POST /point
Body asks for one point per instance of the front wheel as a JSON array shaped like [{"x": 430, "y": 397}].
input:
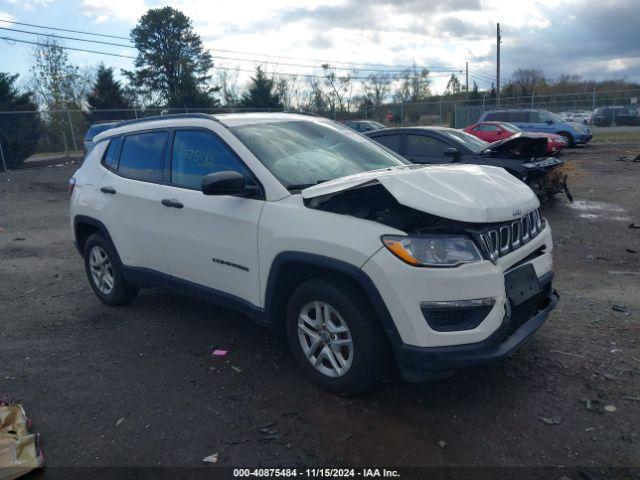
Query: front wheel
[
  {"x": 567, "y": 138},
  {"x": 334, "y": 336}
]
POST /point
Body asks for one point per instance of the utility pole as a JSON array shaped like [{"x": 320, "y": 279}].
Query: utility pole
[
  {"x": 498, "y": 40},
  {"x": 467, "y": 75}
]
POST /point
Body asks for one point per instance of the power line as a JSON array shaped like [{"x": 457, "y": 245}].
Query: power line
[
  {"x": 50, "y": 35},
  {"x": 64, "y": 29},
  {"x": 67, "y": 38},
  {"x": 288, "y": 74},
  {"x": 402, "y": 67},
  {"x": 10, "y": 39}
]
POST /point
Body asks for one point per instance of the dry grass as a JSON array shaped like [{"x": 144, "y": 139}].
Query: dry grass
[{"x": 604, "y": 137}]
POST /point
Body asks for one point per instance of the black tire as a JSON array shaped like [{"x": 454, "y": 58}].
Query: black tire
[
  {"x": 121, "y": 293},
  {"x": 370, "y": 349},
  {"x": 568, "y": 138}
]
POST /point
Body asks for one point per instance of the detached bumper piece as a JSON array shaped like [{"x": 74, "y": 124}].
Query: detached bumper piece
[{"x": 417, "y": 364}]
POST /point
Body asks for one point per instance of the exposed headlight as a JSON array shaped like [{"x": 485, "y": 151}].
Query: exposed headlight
[{"x": 433, "y": 251}]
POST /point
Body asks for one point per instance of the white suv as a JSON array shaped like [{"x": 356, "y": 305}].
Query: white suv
[{"x": 303, "y": 224}]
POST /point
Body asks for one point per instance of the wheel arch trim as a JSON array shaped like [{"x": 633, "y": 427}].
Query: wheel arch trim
[
  {"x": 86, "y": 220},
  {"x": 354, "y": 273}
]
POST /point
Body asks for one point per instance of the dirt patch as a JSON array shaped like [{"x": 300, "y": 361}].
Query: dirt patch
[{"x": 74, "y": 361}]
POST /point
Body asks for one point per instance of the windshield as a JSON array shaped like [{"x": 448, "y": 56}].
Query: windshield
[
  {"x": 302, "y": 153},
  {"x": 510, "y": 127},
  {"x": 470, "y": 141},
  {"x": 546, "y": 115}
]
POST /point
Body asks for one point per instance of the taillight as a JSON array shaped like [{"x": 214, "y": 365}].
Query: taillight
[{"x": 71, "y": 185}]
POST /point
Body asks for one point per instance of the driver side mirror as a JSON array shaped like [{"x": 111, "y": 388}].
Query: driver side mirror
[
  {"x": 451, "y": 152},
  {"x": 226, "y": 183}
]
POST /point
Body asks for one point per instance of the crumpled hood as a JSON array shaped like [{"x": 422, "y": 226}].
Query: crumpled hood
[
  {"x": 520, "y": 145},
  {"x": 467, "y": 193}
]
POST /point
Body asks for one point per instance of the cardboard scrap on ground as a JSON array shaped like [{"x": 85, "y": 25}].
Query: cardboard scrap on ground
[{"x": 19, "y": 451}]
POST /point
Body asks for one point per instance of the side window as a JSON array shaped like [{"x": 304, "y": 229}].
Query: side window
[
  {"x": 142, "y": 156},
  {"x": 519, "y": 117},
  {"x": 196, "y": 154},
  {"x": 488, "y": 127},
  {"x": 110, "y": 159},
  {"x": 496, "y": 116},
  {"x": 425, "y": 146},
  {"x": 392, "y": 142}
]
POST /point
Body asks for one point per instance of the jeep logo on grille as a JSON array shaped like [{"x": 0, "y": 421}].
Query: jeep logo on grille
[{"x": 516, "y": 212}]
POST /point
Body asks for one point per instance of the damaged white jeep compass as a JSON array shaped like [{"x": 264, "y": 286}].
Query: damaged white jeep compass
[{"x": 305, "y": 225}]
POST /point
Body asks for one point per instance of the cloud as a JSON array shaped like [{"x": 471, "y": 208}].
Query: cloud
[
  {"x": 321, "y": 41},
  {"x": 558, "y": 36},
  {"x": 29, "y": 4},
  {"x": 6, "y": 16}
]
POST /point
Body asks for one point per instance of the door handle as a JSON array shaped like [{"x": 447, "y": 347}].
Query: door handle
[
  {"x": 171, "y": 202},
  {"x": 108, "y": 190}
]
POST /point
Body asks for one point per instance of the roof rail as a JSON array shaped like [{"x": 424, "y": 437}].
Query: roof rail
[
  {"x": 309, "y": 114},
  {"x": 169, "y": 116}
]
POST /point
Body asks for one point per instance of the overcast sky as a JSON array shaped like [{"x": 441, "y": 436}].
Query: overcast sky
[{"x": 595, "y": 39}]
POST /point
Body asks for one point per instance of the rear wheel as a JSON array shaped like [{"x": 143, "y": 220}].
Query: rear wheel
[
  {"x": 104, "y": 270},
  {"x": 334, "y": 336}
]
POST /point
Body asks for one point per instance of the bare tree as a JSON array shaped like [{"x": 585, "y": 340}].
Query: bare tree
[
  {"x": 229, "y": 88},
  {"x": 376, "y": 88},
  {"x": 526, "y": 80},
  {"x": 315, "y": 99},
  {"x": 60, "y": 89},
  {"x": 57, "y": 84},
  {"x": 289, "y": 90},
  {"x": 414, "y": 85},
  {"x": 453, "y": 85},
  {"x": 340, "y": 88}
]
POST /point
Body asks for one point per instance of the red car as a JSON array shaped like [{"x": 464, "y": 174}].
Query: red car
[{"x": 494, "y": 131}]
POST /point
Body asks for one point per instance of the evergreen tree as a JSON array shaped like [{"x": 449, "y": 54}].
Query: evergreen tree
[
  {"x": 20, "y": 132},
  {"x": 172, "y": 65},
  {"x": 107, "y": 94},
  {"x": 261, "y": 92}
]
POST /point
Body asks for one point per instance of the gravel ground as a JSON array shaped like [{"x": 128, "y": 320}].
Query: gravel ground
[{"x": 136, "y": 385}]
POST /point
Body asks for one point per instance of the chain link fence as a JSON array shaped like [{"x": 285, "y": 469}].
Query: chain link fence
[
  {"x": 34, "y": 139},
  {"x": 621, "y": 108},
  {"x": 31, "y": 139}
]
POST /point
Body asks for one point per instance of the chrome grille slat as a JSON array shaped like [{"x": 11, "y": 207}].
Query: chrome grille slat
[{"x": 505, "y": 238}]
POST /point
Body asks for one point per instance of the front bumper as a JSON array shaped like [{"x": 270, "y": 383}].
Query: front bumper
[
  {"x": 421, "y": 363},
  {"x": 583, "y": 138}
]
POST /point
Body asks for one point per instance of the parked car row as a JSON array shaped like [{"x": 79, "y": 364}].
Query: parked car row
[
  {"x": 577, "y": 116},
  {"x": 360, "y": 256},
  {"x": 494, "y": 131},
  {"x": 607, "y": 116},
  {"x": 522, "y": 155},
  {"x": 533, "y": 120}
]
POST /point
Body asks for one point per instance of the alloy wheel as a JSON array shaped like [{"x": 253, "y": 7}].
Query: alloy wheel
[
  {"x": 101, "y": 270},
  {"x": 325, "y": 339}
]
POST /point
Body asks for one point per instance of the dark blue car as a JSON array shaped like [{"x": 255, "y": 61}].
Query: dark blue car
[{"x": 537, "y": 120}]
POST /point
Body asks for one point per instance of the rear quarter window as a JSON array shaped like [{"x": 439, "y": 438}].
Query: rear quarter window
[
  {"x": 142, "y": 156},
  {"x": 110, "y": 159}
]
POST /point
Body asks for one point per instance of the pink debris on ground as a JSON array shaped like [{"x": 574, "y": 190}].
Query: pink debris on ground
[{"x": 219, "y": 353}]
